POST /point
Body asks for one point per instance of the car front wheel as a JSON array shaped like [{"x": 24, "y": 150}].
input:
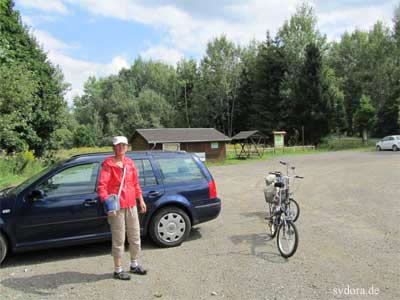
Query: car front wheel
[
  {"x": 378, "y": 148},
  {"x": 3, "y": 247},
  {"x": 169, "y": 227},
  {"x": 395, "y": 148}
]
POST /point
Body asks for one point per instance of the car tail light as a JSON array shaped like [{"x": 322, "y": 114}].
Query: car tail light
[{"x": 212, "y": 189}]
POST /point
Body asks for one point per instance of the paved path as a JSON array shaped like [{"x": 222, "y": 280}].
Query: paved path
[{"x": 349, "y": 243}]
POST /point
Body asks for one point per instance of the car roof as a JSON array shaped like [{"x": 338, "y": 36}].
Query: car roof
[{"x": 100, "y": 156}]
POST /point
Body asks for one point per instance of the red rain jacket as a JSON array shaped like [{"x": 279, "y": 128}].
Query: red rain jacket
[{"x": 110, "y": 180}]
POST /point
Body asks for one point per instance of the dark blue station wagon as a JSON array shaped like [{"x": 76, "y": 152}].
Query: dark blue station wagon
[{"x": 60, "y": 206}]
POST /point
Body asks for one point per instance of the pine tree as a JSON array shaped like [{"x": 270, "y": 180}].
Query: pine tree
[{"x": 311, "y": 110}]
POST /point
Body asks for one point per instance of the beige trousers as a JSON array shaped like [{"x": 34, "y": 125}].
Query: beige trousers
[{"x": 125, "y": 223}]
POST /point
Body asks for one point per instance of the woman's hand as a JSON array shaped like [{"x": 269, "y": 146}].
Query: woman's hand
[
  {"x": 142, "y": 205},
  {"x": 112, "y": 213}
]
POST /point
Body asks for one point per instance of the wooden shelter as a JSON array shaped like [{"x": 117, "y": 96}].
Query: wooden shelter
[
  {"x": 249, "y": 143},
  {"x": 208, "y": 142}
]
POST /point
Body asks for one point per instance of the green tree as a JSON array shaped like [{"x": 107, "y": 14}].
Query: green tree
[
  {"x": 311, "y": 110},
  {"x": 153, "y": 75},
  {"x": 17, "y": 88},
  {"x": 366, "y": 63},
  {"x": 334, "y": 97},
  {"x": 245, "y": 98},
  {"x": 154, "y": 110},
  {"x": 388, "y": 117},
  {"x": 83, "y": 136},
  {"x": 187, "y": 77},
  {"x": 267, "y": 112},
  {"x": 19, "y": 52},
  {"x": 396, "y": 26},
  {"x": 218, "y": 86},
  {"x": 296, "y": 34},
  {"x": 364, "y": 118}
]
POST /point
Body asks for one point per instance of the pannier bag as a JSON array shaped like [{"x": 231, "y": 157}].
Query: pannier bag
[{"x": 269, "y": 190}]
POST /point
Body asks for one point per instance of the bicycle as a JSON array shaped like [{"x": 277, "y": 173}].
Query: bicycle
[
  {"x": 280, "y": 219},
  {"x": 294, "y": 207}
]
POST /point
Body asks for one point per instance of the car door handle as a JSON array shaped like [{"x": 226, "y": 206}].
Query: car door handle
[
  {"x": 153, "y": 194},
  {"x": 90, "y": 202}
]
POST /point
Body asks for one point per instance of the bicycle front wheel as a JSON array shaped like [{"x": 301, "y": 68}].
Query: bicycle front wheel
[
  {"x": 287, "y": 239},
  {"x": 272, "y": 221},
  {"x": 294, "y": 209}
]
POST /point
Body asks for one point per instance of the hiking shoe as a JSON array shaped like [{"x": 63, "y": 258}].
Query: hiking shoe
[
  {"x": 138, "y": 270},
  {"x": 122, "y": 275}
]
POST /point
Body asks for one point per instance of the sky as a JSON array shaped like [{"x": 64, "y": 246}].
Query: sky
[{"x": 100, "y": 37}]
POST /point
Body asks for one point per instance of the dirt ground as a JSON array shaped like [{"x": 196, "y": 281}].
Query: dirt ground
[{"x": 349, "y": 243}]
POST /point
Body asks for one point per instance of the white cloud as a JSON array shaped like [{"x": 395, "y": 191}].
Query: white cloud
[
  {"x": 335, "y": 23},
  {"x": 45, "y": 5},
  {"x": 76, "y": 71},
  {"x": 166, "y": 55},
  {"x": 187, "y": 33},
  {"x": 35, "y": 20},
  {"x": 241, "y": 21},
  {"x": 49, "y": 42}
]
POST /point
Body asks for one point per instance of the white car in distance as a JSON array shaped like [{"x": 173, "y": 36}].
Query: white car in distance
[{"x": 390, "y": 142}]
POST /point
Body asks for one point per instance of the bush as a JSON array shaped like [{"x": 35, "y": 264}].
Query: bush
[
  {"x": 22, "y": 160},
  {"x": 84, "y": 137}
]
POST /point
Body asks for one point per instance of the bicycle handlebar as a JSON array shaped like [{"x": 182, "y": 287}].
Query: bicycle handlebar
[{"x": 277, "y": 173}]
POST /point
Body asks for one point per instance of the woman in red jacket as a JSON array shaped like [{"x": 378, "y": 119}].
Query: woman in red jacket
[{"x": 126, "y": 220}]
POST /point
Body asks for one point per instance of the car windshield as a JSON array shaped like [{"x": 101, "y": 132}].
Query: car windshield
[{"x": 29, "y": 181}]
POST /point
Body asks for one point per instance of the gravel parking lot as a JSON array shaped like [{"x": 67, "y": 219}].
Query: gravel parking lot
[{"x": 349, "y": 243}]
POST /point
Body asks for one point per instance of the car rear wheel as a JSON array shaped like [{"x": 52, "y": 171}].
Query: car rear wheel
[
  {"x": 169, "y": 227},
  {"x": 395, "y": 148},
  {"x": 3, "y": 247},
  {"x": 378, "y": 148}
]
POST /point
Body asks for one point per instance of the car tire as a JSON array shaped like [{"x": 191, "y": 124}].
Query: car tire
[
  {"x": 3, "y": 247},
  {"x": 378, "y": 148},
  {"x": 395, "y": 148},
  {"x": 169, "y": 227}
]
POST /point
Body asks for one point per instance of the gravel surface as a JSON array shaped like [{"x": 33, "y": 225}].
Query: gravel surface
[{"x": 349, "y": 243}]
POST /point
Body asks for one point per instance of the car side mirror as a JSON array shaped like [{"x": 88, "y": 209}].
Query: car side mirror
[{"x": 36, "y": 195}]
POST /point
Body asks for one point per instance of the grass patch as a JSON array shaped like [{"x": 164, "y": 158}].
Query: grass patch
[
  {"x": 16, "y": 168},
  {"x": 231, "y": 158},
  {"x": 334, "y": 143}
]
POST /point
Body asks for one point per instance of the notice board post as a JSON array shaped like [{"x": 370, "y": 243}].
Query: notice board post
[{"x": 279, "y": 140}]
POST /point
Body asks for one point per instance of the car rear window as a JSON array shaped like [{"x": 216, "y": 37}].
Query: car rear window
[
  {"x": 146, "y": 173},
  {"x": 179, "y": 169}
]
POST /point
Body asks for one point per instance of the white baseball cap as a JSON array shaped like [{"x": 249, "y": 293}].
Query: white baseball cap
[{"x": 119, "y": 140}]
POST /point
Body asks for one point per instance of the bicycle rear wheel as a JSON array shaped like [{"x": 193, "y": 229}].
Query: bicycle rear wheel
[
  {"x": 287, "y": 239},
  {"x": 294, "y": 209}
]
